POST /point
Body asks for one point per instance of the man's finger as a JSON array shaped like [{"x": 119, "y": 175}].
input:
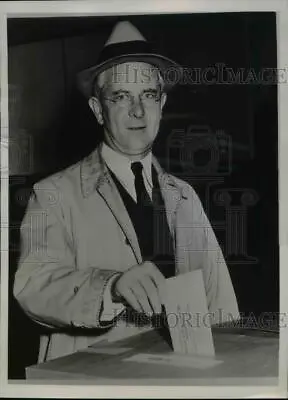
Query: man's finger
[
  {"x": 142, "y": 298},
  {"x": 152, "y": 294},
  {"x": 129, "y": 296},
  {"x": 156, "y": 275}
]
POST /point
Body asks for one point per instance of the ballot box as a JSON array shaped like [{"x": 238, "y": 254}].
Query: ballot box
[{"x": 242, "y": 357}]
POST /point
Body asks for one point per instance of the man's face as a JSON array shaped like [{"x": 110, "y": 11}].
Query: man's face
[{"x": 129, "y": 106}]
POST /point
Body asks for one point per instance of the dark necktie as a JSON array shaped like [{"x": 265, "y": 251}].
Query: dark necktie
[{"x": 143, "y": 198}]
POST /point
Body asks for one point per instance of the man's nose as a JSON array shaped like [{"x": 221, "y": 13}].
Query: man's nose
[{"x": 137, "y": 109}]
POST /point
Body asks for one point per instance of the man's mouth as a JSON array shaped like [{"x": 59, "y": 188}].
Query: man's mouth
[{"x": 136, "y": 128}]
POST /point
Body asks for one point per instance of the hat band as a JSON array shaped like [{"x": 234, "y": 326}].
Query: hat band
[{"x": 123, "y": 48}]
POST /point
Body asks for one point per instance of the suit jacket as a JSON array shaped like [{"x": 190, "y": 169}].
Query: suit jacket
[{"x": 76, "y": 234}]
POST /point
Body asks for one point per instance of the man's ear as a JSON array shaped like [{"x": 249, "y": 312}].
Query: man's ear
[
  {"x": 96, "y": 108},
  {"x": 163, "y": 100}
]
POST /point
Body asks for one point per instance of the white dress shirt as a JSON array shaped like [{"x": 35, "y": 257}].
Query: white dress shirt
[{"x": 121, "y": 167}]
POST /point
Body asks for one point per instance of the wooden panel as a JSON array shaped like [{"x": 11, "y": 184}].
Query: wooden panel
[
  {"x": 37, "y": 68},
  {"x": 37, "y": 77}
]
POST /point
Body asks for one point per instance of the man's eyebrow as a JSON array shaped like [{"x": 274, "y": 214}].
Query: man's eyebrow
[
  {"x": 115, "y": 92},
  {"x": 119, "y": 91},
  {"x": 150, "y": 90}
]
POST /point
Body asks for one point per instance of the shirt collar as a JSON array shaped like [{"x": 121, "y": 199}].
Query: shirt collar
[
  {"x": 120, "y": 165},
  {"x": 94, "y": 172}
]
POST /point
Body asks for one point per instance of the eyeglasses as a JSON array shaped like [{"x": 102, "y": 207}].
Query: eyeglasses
[{"x": 125, "y": 99}]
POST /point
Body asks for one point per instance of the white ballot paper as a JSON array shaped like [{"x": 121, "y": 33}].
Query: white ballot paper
[{"x": 187, "y": 314}]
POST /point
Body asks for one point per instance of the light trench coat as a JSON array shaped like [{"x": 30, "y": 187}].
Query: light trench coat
[{"x": 76, "y": 234}]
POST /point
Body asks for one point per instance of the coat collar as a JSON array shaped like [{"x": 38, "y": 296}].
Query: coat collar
[
  {"x": 96, "y": 177},
  {"x": 94, "y": 173}
]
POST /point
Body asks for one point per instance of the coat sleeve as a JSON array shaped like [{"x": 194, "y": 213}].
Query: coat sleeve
[
  {"x": 221, "y": 298},
  {"x": 48, "y": 285}
]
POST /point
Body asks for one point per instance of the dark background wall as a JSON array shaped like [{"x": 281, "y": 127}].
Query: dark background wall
[{"x": 51, "y": 127}]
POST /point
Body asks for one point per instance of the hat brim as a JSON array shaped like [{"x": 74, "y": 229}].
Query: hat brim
[{"x": 86, "y": 78}]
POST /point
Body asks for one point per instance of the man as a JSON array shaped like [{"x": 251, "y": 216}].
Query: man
[{"x": 95, "y": 244}]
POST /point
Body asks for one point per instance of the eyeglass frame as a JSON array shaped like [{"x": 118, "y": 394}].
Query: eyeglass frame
[{"x": 132, "y": 97}]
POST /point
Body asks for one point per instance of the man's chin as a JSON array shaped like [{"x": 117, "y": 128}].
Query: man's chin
[
  {"x": 139, "y": 150},
  {"x": 136, "y": 149}
]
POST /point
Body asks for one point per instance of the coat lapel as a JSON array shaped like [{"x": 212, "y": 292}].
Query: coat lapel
[
  {"x": 95, "y": 176},
  {"x": 171, "y": 193},
  {"x": 114, "y": 201}
]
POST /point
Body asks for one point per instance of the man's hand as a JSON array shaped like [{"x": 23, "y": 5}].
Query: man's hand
[{"x": 139, "y": 286}]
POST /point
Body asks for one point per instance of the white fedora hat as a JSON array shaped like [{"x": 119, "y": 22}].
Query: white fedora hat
[{"x": 126, "y": 43}]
